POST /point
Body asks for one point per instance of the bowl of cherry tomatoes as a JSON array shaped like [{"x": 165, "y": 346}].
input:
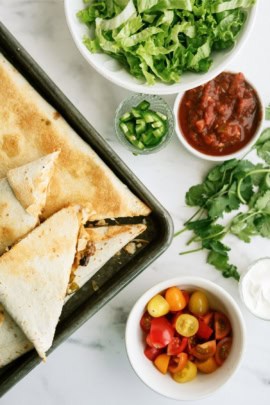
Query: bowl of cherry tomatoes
[{"x": 185, "y": 338}]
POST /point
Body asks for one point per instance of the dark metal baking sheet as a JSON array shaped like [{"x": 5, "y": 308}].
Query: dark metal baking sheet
[{"x": 120, "y": 270}]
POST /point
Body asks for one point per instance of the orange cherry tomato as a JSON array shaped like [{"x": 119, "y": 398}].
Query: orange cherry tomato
[
  {"x": 223, "y": 350},
  {"x": 204, "y": 350},
  {"x": 222, "y": 325},
  {"x": 162, "y": 363},
  {"x": 175, "y": 299},
  {"x": 177, "y": 363},
  {"x": 208, "y": 366}
]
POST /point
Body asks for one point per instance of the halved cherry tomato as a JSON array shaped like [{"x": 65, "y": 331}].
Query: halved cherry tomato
[
  {"x": 188, "y": 373},
  {"x": 174, "y": 318},
  {"x": 222, "y": 325},
  {"x": 187, "y": 325},
  {"x": 208, "y": 319},
  {"x": 162, "y": 363},
  {"x": 223, "y": 350},
  {"x": 158, "y": 306},
  {"x": 204, "y": 350},
  {"x": 198, "y": 303},
  {"x": 192, "y": 342},
  {"x": 161, "y": 332},
  {"x": 177, "y": 363},
  {"x": 151, "y": 352},
  {"x": 145, "y": 322},
  {"x": 208, "y": 366},
  {"x": 204, "y": 331},
  {"x": 175, "y": 299},
  {"x": 176, "y": 346}
]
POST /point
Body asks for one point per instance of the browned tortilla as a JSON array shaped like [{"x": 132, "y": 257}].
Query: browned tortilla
[{"x": 31, "y": 128}]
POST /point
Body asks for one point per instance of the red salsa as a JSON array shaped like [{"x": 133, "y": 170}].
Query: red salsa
[{"x": 221, "y": 116}]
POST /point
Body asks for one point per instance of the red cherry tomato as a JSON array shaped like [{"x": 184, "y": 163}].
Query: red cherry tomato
[
  {"x": 222, "y": 325},
  {"x": 151, "y": 352},
  {"x": 177, "y": 363},
  {"x": 204, "y": 331},
  {"x": 223, "y": 350},
  {"x": 145, "y": 322},
  {"x": 205, "y": 350},
  {"x": 175, "y": 317},
  {"x": 176, "y": 346},
  {"x": 208, "y": 319},
  {"x": 161, "y": 332},
  {"x": 149, "y": 341}
]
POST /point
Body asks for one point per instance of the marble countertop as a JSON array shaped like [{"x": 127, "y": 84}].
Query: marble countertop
[{"x": 92, "y": 366}]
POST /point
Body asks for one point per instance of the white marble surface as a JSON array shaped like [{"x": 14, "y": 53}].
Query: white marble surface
[{"x": 92, "y": 366}]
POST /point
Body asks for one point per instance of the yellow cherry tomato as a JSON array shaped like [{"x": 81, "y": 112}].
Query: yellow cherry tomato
[
  {"x": 175, "y": 299},
  {"x": 158, "y": 306},
  {"x": 198, "y": 303},
  {"x": 162, "y": 363},
  {"x": 208, "y": 366},
  {"x": 188, "y": 373},
  {"x": 186, "y": 325}
]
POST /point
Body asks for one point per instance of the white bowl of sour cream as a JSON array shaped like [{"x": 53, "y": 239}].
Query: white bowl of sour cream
[{"x": 255, "y": 288}]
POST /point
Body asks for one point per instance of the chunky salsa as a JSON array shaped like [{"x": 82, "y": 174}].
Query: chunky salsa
[{"x": 221, "y": 116}]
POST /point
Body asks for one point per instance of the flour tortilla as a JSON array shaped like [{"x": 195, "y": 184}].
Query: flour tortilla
[
  {"x": 31, "y": 128},
  {"x": 30, "y": 182},
  {"x": 34, "y": 276},
  {"x": 108, "y": 240},
  {"x": 22, "y": 198},
  {"x": 13, "y": 342}
]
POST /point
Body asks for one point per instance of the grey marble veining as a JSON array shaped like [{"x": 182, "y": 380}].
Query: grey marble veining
[{"x": 92, "y": 366}]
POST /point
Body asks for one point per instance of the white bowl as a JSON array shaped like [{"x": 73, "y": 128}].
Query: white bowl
[
  {"x": 202, "y": 385},
  {"x": 112, "y": 70},
  {"x": 222, "y": 158}
]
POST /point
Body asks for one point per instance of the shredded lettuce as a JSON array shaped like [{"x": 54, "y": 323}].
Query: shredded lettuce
[{"x": 162, "y": 39}]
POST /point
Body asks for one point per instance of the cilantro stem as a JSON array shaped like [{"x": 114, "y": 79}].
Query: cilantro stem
[
  {"x": 194, "y": 215},
  {"x": 239, "y": 194},
  {"x": 181, "y": 231},
  {"x": 190, "y": 251}
]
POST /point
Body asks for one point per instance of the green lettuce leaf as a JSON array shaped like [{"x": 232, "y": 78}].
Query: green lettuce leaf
[{"x": 162, "y": 39}]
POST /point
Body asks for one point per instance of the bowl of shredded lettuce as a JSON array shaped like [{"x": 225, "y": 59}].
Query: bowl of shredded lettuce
[{"x": 160, "y": 46}]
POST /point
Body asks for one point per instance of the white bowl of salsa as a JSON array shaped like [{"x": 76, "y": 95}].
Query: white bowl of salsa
[{"x": 221, "y": 119}]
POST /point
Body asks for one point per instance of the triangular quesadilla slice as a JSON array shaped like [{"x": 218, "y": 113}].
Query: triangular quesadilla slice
[
  {"x": 13, "y": 342},
  {"x": 34, "y": 276},
  {"x": 107, "y": 241},
  {"x": 102, "y": 244},
  {"x": 35, "y": 129},
  {"x": 30, "y": 182},
  {"x": 22, "y": 198}
]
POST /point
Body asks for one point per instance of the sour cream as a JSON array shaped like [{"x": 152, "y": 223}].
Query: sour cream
[{"x": 255, "y": 288}]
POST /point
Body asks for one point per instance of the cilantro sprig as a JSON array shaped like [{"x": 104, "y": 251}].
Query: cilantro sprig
[{"x": 226, "y": 188}]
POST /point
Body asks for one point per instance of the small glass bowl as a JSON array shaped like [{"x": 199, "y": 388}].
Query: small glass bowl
[
  {"x": 241, "y": 287},
  {"x": 156, "y": 104}
]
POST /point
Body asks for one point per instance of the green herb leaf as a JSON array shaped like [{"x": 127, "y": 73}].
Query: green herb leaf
[
  {"x": 221, "y": 262},
  {"x": 263, "y": 226},
  {"x": 263, "y": 202}
]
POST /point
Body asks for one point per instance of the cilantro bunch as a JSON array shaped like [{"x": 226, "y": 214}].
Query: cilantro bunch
[{"x": 226, "y": 188}]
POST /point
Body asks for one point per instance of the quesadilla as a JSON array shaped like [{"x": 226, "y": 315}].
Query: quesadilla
[
  {"x": 34, "y": 276},
  {"x": 13, "y": 342},
  {"x": 32, "y": 128},
  {"x": 107, "y": 241},
  {"x": 22, "y": 198}
]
